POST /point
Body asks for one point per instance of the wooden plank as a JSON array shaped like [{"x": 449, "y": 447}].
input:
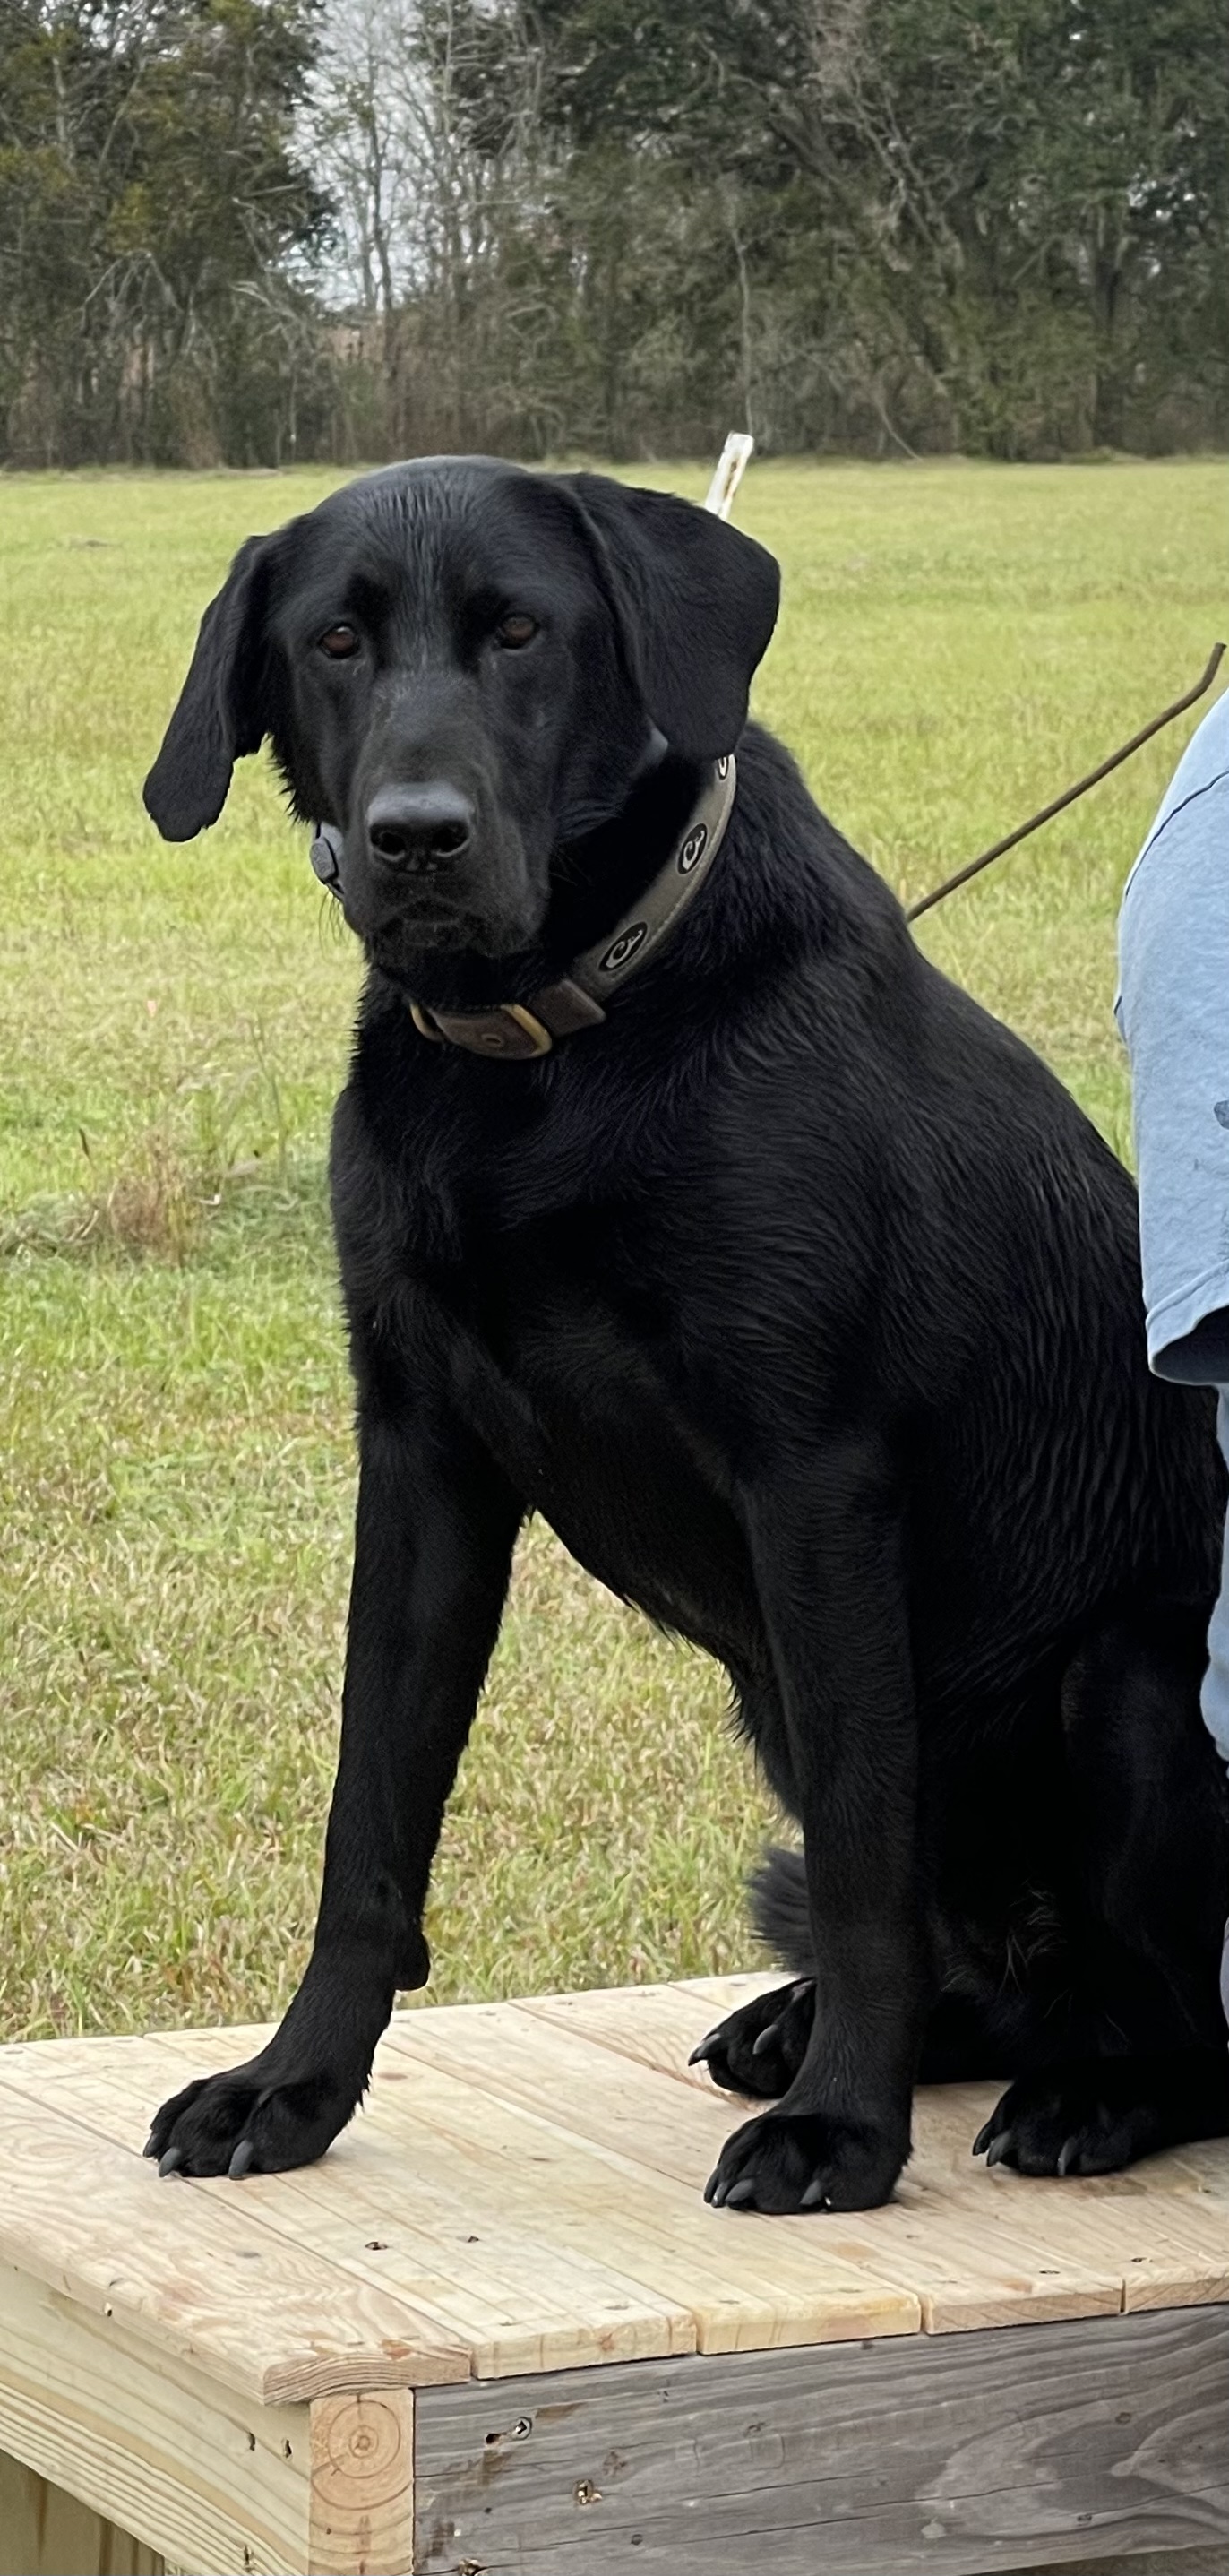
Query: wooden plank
[
  {"x": 1165, "y": 2248},
  {"x": 528, "y": 2189},
  {"x": 92, "y": 2219},
  {"x": 215, "y": 2480},
  {"x": 388, "y": 2213},
  {"x": 657, "y": 2026},
  {"x": 981, "y": 2249},
  {"x": 431, "y": 2153},
  {"x": 480, "y": 2269},
  {"x": 362, "y": 2485},
  {"x": 506, "y": 2163},
  {"x": 475, "y": 2260},
  {"x": 1152, "y": 2562},
  {"x": 1009, "y": 2448},
  {"x": 743, "y": 2287},
  {"x": 229, "y": 2487},
  {"x": 1201, "y": 2171},
  {"x": 953, "y": 2262},
  {"x": 1151, "y": 2238},
  {"x": 717, "y": 1996},
  {"x": 507, "y": 2053},
  {"x": 45, "y": 2532}
]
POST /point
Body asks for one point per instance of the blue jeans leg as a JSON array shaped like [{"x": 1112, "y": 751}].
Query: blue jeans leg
[{"x": 1214, "y": 1698}]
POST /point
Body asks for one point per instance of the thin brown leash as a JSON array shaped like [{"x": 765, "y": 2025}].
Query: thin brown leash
[
  {"x": 1070, "y": 794},
  {"x": 734, "y": 459}
]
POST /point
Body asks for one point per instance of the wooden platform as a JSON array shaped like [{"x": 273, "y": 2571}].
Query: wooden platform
[{"x": 497, "y": 2333}]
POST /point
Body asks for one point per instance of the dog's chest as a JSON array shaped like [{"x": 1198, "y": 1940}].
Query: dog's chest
[{"x": 578, "y": 1387}]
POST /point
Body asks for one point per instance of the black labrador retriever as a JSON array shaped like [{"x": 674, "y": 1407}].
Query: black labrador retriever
[{"x": 679, "y": 1199}]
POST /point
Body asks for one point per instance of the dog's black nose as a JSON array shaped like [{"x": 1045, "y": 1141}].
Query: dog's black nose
[{"x": 419, "y": 827}]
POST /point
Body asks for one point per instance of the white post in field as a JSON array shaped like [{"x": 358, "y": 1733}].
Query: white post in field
[{"x": 732, "y": 463}]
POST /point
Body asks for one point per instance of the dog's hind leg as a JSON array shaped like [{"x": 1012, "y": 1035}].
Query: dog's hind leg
[
  {"x": 758, "y": 2049},
  {"x": 1096, "y": 2114},
  {"x": 1150, "y": 1828},
  {"x": 1152, "y": 1812},
  {"x": 971, "y": 2037}
]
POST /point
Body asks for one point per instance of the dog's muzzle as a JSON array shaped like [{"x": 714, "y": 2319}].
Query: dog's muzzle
[{"x": 515, "y": 1031}]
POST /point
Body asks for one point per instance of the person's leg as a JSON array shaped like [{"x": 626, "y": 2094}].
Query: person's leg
[{"x": 1214, "y": 1696}]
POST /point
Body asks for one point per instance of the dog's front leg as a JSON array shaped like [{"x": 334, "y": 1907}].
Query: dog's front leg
[
  {"x": 826, "y": 1540},
  {"x": 433, "y": 1545}
]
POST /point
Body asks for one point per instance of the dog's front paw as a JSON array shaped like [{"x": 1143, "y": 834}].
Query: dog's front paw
[
  {"x": 247, "y": 2121},
  {"x": 794, "y": 2160},
  {"x": 759, "y": 2049}
]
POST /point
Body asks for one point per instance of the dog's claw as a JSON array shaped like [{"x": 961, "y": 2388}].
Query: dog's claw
[
  {"x": 149, "y": 2148},
  {"x": 983, "y": 2138},
  {"x": 715, "y": 2191},
  {"x": 242, "y": 2160},
  {"x": 1068, "y": 2155},
  {"x": 761, "y": 2046},
  {"x": 699, "y": 2056},
  {"x": 815, "y": 2197},
  {"x": 741, "y": 2195},
  {"x": 998, "y": 2147},
  {"x": 171, "y": 2161}
]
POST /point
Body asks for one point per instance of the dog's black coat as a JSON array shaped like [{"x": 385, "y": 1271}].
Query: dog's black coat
[{"x": 799, "y": 1298}]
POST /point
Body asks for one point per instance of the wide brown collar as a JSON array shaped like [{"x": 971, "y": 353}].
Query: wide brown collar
[{"x": 510, "y": 1032}]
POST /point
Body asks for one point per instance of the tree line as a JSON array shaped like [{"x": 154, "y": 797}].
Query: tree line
[{"x": 246, "y": 231}]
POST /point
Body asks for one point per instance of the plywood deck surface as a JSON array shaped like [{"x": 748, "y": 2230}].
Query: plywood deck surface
[{"x": 522, "y": 2193}]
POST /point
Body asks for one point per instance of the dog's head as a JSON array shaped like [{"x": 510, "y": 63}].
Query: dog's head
[{"x": 464, "y": 667}]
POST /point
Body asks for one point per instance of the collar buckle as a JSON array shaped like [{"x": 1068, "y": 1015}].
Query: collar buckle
[{"x": 509, "y": 1031}]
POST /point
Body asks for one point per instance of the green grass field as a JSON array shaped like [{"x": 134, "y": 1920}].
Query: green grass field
[{"x": 956, "y": 643}]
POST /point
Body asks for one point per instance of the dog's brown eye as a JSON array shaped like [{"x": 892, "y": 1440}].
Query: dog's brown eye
[
  {"x": 516, "y": 630},
  {"x": 339, "y": 642}
]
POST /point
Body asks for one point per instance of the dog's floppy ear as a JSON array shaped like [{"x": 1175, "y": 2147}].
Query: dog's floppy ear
[
  {"x": 221, "y": 712},
  {"x": 696, "y": 603}
]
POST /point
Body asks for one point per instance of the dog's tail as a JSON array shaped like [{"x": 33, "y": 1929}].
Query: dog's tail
[{"x": 779, "y": 1909}]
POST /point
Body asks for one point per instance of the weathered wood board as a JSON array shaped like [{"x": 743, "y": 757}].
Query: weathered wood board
[
  {"x": 1013, "y": 2448},
  {"x": 44, "y": 2532}
]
